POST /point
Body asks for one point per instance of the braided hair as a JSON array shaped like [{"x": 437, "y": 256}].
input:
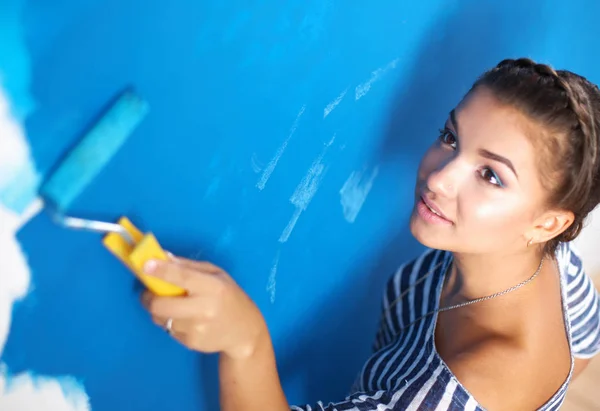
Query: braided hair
[{"x": 566, "y": 106}]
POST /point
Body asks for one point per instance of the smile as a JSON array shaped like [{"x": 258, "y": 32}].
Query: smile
[
  {"x": 432, "y": 210},
  {"x": 430, "y": 213}
]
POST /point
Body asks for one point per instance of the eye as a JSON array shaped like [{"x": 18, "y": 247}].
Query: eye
[
  {"x": 488, "y": 175},
  {"x": 448, "y": 138}
]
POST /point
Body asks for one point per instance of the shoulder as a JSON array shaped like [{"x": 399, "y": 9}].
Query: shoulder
[
  {"x": 482, "y": 370},
  {"x": 569, "y": 261},
  {"x": 399, "y": 290},
  {"x": 582, "y": 302},
  {"x": 426, "y": 263},
  {"x": 571, "y": 267}
]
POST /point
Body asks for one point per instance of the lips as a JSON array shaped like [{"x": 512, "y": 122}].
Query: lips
[{"x": 434, "y": 208}]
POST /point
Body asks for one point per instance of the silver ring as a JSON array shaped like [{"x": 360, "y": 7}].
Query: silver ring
[{"x": 169, "y": 325}]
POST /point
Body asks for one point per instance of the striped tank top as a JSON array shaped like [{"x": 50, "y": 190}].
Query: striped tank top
[{"x": 405, "y": 371}]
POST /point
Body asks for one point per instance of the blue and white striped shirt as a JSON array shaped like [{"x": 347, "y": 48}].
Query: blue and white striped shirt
[{"x": 406, "y": 372}]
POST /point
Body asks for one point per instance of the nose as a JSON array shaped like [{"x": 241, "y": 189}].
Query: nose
[{"x": 443, "y": 179}]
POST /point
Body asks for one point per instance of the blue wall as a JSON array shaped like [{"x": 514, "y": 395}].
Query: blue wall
[{"x": 230, "y": 84}]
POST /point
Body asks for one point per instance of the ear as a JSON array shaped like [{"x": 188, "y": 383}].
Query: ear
[{"x": 550, "y": 225}]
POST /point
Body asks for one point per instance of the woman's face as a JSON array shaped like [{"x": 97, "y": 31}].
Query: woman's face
[{"x": 478, "y": 188}]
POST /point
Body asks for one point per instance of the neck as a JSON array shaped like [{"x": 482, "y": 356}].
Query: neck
[{"x": 478, "y": 275}]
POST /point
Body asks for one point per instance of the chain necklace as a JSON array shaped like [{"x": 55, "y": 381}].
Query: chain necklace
[{"x": 477, "y": 300}]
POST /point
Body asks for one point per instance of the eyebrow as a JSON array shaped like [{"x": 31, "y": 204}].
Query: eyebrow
[
  {"x": 499, "y": 158},
  {"x": 483, "y": 152}
]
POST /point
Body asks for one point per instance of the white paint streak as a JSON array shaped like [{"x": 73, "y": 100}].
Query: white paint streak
[
  {"x": 14, "y": 271},
  {"x": 285, "y": 235},
  {"x": 354, "y": 193},
  {"x": 306, "y": 190},
  {"x": 308, "y": 186},
  {"x": 15, "y": 151},
  {"x": 362, "y": 89},
  {"x": 226, "y": 238},
  {"x": 26, "y": 392},
  {"x": 273, "y": 163},
  {"x": 18, "y": 176},
  {"x": 329, "y": 108},
  {"x": 255, "y": 164},
  {"x": 22, "y": 392},
  {"x": 272, "y": 283},
  {"x": 33, "y": 209},
  {"x": 212, "y": 188}
]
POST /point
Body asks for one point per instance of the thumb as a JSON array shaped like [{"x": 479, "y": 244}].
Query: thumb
[{"x": 172, "y": 273}]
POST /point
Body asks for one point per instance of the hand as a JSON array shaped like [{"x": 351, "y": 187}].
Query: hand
[{"x": 214, "y": 316}]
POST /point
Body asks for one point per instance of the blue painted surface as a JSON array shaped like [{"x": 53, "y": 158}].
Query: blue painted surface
[{"x": 225, "y": 83}]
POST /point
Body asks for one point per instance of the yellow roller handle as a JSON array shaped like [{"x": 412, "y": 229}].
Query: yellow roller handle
[{"x": 134, "y": 257}]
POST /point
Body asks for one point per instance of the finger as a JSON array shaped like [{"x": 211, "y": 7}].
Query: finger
[
  {"x": 183, "y": 308},
  {"x": 175, "y": 307},
  {"x": 210, "y": 278},
  {"x": 180, "y": 326},
  {"x": 172, "y": 272},
  {"x": 185, "y": 332},
  {"x": 203, "y": 266},
  {"x": 190, "y": 335},
  {"x": 176, "y": 331},
  {"x": 162, "y": 321}
]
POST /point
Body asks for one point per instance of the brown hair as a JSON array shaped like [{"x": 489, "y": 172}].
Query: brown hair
[{"x": 566, "y": 106}]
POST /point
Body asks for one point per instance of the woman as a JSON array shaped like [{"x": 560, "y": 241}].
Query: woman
[{"x": 498, "y": 314}]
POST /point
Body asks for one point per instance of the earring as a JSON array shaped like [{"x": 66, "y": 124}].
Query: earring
[{"x": 529, "y": 242}]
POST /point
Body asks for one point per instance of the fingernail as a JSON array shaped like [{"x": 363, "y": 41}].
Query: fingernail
[{"x": 150, "y": 266}]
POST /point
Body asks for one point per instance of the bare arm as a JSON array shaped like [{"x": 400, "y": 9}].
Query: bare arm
[
  {"x": 252, "y": 383},
  {"x": 580, "y": 365},
  {"x": 216, "y": 315}
]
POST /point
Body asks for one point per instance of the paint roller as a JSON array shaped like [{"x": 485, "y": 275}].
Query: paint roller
[{"x": 78, "y": 168}]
